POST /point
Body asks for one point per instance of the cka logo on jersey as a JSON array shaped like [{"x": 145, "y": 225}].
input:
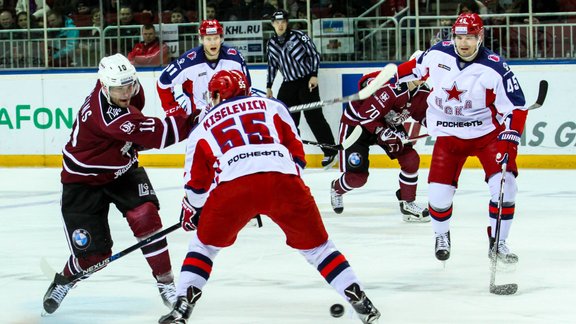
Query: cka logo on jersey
[{"x": 81, "y": 239}]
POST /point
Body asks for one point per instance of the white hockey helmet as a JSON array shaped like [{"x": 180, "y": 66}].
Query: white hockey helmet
[{"x": 117, "y": 71}]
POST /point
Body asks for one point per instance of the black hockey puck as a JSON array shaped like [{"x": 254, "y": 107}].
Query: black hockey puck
[{"x": 337, "y": 310}]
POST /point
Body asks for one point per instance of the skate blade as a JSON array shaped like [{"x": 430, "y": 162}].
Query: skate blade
[{"x": 414, "y": 219}]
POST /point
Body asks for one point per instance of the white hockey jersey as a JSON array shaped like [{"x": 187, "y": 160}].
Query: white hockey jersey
[
  {"x": 238, "y": 137},
  {"x": 468, "y": 99},
  {"x": 193, "y": 71}
]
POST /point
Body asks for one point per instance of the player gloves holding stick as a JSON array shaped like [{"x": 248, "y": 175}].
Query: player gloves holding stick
[
  {"x": 476, "y": 108},
  {"x": 379, "y": 118},
  {"x": 100, "y": 167}
]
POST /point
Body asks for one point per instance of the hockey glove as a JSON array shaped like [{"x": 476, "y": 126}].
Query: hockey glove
[
  {"x": 392, "y": 140},
  {"x": 174, "y": 109},
  {"x": 507, "y": 146},
  {"x": 189, "y": 216}
]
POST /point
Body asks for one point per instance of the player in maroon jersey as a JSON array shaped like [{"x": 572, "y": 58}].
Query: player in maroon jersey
[
  {"x": 381, "y": 118},
  {"x": 100, "y": 167}
]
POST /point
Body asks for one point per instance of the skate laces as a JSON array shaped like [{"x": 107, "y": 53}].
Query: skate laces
[
  {"x": 59, "y": 292},
  {"x": 336, "y": 199},
  {"x": 168, "y": 293},
  {"x": 358, "y": 299},
  {"x": 361, "y": 304},
  {"x": 503, "y": 248},
  {"x": 442, "y": 241},
  {"x": 412, "y": 208}
]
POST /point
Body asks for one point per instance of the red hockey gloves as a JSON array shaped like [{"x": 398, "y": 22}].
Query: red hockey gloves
[
  {"x": 392, "y": 140},
  {"x": 507, "y": 146},
  {"x": 189, "y": 215},
  {"x": 174, "y": 109}
]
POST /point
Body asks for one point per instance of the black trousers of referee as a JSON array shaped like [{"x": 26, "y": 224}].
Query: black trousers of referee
[{"x": 296, "y": 92}]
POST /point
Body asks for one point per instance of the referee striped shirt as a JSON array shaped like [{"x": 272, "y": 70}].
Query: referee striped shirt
[{"x": 296, "y": 58}]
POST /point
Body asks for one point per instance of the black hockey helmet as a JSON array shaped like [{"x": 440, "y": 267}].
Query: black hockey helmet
[{"x": 279, "y": 15}]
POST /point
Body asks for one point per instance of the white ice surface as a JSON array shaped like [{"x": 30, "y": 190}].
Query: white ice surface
[{"x": 261, "y": 280}]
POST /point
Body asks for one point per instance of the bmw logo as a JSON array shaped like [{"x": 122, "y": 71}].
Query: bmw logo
[
  {"x": 355, "y": 159},
  {"x": 81, "y": 239}
]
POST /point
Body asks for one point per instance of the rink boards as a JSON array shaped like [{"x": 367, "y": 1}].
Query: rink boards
[{"x": 37, "y": 110}]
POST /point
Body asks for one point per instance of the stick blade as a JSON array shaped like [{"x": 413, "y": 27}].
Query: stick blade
[
  {"x": 542, "y": 92},
  {"x": 354, "y": 136},
  {"x": 384, "y": 76},
  {"x": 506, "y": 289}
]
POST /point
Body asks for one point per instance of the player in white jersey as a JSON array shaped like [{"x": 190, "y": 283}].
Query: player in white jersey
[
  {"x": 250, "y": 148},
  {"x": 476, "y": 108},
  {"x": 194, "y": 69}
]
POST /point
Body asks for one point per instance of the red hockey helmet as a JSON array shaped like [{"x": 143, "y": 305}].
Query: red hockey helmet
[
  {"x": 211, "y": 27},
  {"x": 242, "y": 81},
  {"x": 468, "y": 23},
  {"x": 227, "y": 85}
]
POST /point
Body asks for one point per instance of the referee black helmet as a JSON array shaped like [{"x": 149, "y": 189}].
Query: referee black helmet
[{"x": 280, "y": 15}]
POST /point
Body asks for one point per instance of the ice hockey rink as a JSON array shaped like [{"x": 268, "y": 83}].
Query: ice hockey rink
[{"x": 261, "y": 280}]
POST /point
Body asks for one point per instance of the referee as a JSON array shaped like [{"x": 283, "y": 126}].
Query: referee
[{"x": 294, "y": 54}]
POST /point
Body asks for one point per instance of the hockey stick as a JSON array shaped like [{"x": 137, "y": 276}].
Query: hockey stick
[
  {"x": 505, "y": 289},
  {"x": 347, "y": 143},
  {"x": 335, "y": 147},
  {"x": 76, "y": 277},
  {"x": 542, "y": 92},
  {"x": 384, "y": 76},
  {"x": 509, "y": 289}
]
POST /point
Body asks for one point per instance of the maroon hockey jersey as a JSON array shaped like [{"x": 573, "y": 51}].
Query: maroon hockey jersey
[
  {"x": 105, "y": 138},
  {"x": 388, "y": 106}
]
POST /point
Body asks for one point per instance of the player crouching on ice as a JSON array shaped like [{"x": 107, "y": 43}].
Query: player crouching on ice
[
  {"x": 476, "y": 108},
  {"x": 381, "y": 119},
  {"x": 242, "y": 142}
]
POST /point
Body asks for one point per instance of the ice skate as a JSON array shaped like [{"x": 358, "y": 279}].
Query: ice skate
[
  {"x": 168, "y": 293},
  {"x": 361, "y": 304},
  {"x": 504, "y": 253},
  {"x": 328, "y": 161},
  {"x": 182, "y": 308},
  {"x": 336, "y": 200},
  {"x": 411, "y": 212},
  {"x": 56, "y": 292},
  {"x": 443, "y": 246}
]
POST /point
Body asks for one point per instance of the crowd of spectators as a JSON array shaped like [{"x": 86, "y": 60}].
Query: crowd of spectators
[{"x": 18, "y": 16}]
